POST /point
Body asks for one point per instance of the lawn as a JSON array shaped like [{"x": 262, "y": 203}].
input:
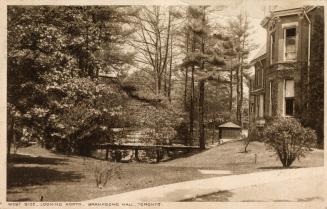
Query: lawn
[{"x": 36, "y": 172}]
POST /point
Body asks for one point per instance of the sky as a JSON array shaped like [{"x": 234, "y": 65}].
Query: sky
[{"x": 257, "y": 33}]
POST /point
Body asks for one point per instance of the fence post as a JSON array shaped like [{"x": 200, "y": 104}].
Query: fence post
[
  {"x": 137, "y": 154},
  {"x": 157, "y": 151},
  {"x": 107, "y": 153}
]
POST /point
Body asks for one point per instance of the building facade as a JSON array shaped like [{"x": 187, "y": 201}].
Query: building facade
[{"x": 289, "y": 68}]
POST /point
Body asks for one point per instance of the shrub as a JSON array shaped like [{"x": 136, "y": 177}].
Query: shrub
[
  {"x": 101, "y": 171},
  {"x": 289, "y": 139}
]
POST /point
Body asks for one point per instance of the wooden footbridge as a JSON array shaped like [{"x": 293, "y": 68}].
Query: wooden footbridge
[{"x": 137, "y": 147}]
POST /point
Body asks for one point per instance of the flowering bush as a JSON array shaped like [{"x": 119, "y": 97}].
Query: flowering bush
[
  {"x": 54, "y": 95},
  {"x": 289, "y": 139}
]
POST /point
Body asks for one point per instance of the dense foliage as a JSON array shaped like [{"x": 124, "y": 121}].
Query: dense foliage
[
  {"x": 314, "y": 116},
  {"x": 288, "y": 139},
  {"x": 54, "y": 59},
  {"x": 151, "y": 111}
]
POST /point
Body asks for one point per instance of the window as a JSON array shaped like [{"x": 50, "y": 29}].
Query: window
[
  {"x": 258, "y": 76},
  {"x": 259, "y": 105},
  {"x": 290, "y": 44},
  {"x": 289, "y": 103},
  {"x": 272, "y": 47},
  {"x": 289, "y": 97}
]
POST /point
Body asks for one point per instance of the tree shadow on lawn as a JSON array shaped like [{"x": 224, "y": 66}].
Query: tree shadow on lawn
[
  {"x": 185, "y": 154},
  {"x": 221, "y": 196},
  {"x": 26, "y": 159},
  {"x": 278, "y": 167},
  {"x": 22, "y": 200},
  {"x": 31, "y": 176}
]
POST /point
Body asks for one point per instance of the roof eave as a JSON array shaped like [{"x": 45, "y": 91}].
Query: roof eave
[
  {"x": 252, "y": 62},
  {"x": 282, "y": 13},
  {"x": 310, "y": 8},
  {"x": 264, "y": 22}
]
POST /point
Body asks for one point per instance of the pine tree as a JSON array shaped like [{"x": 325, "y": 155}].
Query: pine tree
[
  {"x": 240, "y": 32},
  {"x": 201, "y": 59}
]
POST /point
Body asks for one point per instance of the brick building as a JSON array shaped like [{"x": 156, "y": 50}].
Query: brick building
[{"x": 289, "y": 69}]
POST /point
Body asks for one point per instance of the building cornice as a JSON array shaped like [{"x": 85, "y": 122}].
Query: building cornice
[{"x": 285, "y": 12}]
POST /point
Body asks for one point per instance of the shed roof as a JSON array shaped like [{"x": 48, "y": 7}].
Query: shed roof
[{"x": 229, "y": 125}]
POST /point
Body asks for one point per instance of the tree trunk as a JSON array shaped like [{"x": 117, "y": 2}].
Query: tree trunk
[
  {"x": 165, "y": 81},
  {"x": 185, "y": 89},
  {"x": 231, "y": 91},
  {"x": 201, "y": 92},
  {"x": 166, "y": 54},
  {"x": 241, "y": 98},
  {"x": 213, "y": 131},
  {"x": 170, "y": 68},
  {"x": 10, "y": 136},
  {"x": 9, "y": 141},
  {"x": 238, "y": 92},
  {"x": 87, "y": 48},
  {"x": 192, "y": 95},
  {"x": 186, "y": 72},
  {"x": 159, "y": 84},
  {"x": 192, "y": 107},
  {"x": 157, "y": 63},
  {"x": 156, "y": 85},
  {"x": 241, "y": 71},
  {"x": 246, "y": 145},
  {"x": 201, "y": 114}
]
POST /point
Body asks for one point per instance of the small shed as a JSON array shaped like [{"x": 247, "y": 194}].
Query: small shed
[{"x": 229, "y": 130}]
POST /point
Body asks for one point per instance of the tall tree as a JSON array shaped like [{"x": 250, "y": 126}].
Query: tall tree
[
  {"x": 151, "y": 41},
  {"x": 204, "y": 24},
  {"x": 205, "y": 58},
  {"x": 240, "y": 31}
]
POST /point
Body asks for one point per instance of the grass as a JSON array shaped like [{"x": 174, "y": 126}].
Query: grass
[
  {"x": 36, "y": 173},
  {"x": 230, "y": 156}
]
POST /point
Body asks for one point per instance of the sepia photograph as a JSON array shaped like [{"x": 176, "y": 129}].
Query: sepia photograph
[{"x": 137, "y": 105}]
